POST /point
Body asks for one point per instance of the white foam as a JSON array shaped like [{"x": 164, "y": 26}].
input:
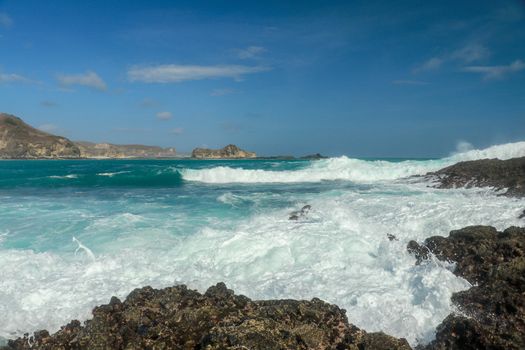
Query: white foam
[
  {"x": 349, "y": 169},
  {"x": 339, "y": 253},
  {"x": 70, "y": 176},
  {"x": 113, "y": 174}
]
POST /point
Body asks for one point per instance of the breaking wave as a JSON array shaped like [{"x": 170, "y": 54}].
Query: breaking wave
[{"x": 349, "y": 169}]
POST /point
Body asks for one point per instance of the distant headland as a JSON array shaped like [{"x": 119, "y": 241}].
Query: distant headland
[{"x": 19, "y": 140}]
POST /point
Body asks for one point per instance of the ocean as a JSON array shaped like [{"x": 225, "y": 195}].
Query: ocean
[{"x": 73, "y": 233}]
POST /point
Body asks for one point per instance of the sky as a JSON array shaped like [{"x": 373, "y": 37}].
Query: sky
[{"x": 360, "y": 78}]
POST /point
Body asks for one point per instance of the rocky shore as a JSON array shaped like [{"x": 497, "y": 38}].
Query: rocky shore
[
  {"x": 508, "y": 175},
  {"x": 491, "y": 314},
  {"x": 179, "y": 318}
]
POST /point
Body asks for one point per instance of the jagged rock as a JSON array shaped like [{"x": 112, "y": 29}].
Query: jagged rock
[
  {"x": 296, "y": 215},
  {"x": 522, "y": 215},
  {"x": 500, "y": 174},
  {"x": 179, "y": 318},
  {"x": 494, "y": 308},
  {"x": 21, "y": 141},
  {"x": 230, "y": 151},
  {"x": 108, "y": 150},
  {"x": 313, "y": 156}
]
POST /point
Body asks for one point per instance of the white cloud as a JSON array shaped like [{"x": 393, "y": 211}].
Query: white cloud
[
  {"x": 471, "y": 53},
  {"x": 222, "y": 92},
  {"x": 5, "y": 20},
  {"x": 250, "y": 52},
  {"x": 173, "y": 73},
  {"x": 89, "y": 79},
  {"x": 467, "y": 54},
  {"x": 164, "y": 115},
  {"x": 177, "y": 131},
  {"x": 13, "y": 78},
  {"x": 496, "y": 72},
  {"x": 432, "y": 64}
]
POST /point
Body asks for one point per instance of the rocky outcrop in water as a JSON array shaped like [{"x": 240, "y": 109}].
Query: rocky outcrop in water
[
  {"x": 108, "y": 150},
  {"x": 492, "y": 312},
  {"x": 230, "y": 151},
  {"x": 21, "y": 141},
  {"x": 179, "y": 318},
  {"x": 500, "y": 174}
]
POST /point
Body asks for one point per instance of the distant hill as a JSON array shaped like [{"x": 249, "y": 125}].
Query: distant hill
[
  {"x": 230, "y": 151},
  {"x": 21, "y": 141},
  {"x": 108, "y": 150}
]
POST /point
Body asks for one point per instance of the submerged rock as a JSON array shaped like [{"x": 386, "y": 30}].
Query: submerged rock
[
  {"x": 298, "y": 214},
  {"x": 500, "y": 174},
  {"x": 179, "y": 318},
  {"x": 493, "y": 310}
]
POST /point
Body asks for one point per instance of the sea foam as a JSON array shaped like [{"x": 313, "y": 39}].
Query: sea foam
[{"x": 349, "y": 169}]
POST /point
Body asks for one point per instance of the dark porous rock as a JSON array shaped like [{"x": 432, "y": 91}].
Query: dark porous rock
[
  {"x": 313, "y": 156},
  {"x": 298, "y": 214},
  {"x": 500, "y": 174},
  {"x": 493, "y": 310},
  {"x": 179, "y": 318}
]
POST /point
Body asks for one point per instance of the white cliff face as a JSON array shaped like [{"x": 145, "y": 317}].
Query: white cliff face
[{"x": 230, "y": 151}]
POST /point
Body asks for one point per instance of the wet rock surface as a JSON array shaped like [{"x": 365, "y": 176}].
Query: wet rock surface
[
  {"x": 179, "y": 318},
  {"x": 491, "y": 313},
  {"x": 500, "y": 174}
]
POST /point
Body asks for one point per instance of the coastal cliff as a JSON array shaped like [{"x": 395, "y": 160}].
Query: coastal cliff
[
  {"x": 108, "y": 150},
  {"x": 18, "y": 140},
  {"x": 230, "y": 151}
]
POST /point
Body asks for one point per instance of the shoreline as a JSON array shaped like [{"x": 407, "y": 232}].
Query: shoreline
[{"x": 493, "y": 262}]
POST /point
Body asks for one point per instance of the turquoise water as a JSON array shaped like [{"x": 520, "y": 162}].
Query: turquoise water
[{"x": 74, "y": 233}]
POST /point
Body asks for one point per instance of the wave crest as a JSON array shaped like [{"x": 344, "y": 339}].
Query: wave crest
[{"x": 349, "y": 169}]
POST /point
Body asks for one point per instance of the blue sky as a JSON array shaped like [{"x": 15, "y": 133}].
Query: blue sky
[{"x": 362, "y": 78}]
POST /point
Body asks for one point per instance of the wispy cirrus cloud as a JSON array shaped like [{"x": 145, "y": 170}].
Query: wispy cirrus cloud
[
  {"x": 89, "y": 79},
  {"x": 174, "y": 73},
  {"x": 14, "y": 78},
  {"x": 164, "y": 115},
  {"x": 496, "y": 72},
  {"x": 250, "y": 52},
  {"x": 5, "y": 20},
  {"x": 467, "y": 54}
]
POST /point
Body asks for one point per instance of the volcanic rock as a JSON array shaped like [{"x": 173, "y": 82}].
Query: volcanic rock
[{"x": 179, "y": 318}]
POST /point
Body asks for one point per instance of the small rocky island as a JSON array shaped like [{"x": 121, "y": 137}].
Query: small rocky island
[
  {"x": 228, "y": 152},
  {"x": 18, "y": 140}
]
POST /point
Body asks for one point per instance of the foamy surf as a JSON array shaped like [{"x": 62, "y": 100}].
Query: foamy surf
[{"x": 349, "y": 169}]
